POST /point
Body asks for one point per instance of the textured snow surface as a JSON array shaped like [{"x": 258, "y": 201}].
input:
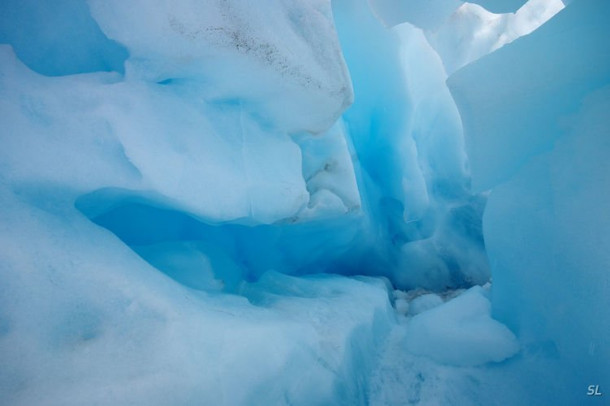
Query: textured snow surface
[
  {"x": 136, "y": 135},
  {"x": 460, "y": 332},
  {"x": 93, "y": 332},
  {"x": 282, "y": 56},
  {"x": 191, "y": 189},
  {"x": 472, "y": 31}
]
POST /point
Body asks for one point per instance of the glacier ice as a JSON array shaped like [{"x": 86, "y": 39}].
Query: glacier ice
[
  {"x": 427, "y": 15},
  {"x": 183, "y": 183},
  {"x": 39, "y": 33},
  {"x": 566, "y": 70},
  {"x": 296, "y": 79},
  {"x": 501, "y": 6},
  {"x": 472, "y": 31},
  {"x": 423, "y": 303},
  {"x": 118, "y": 152},
  {"x": 95, "y": 332},
  {"x": 539, "y": 140},
  {"x": 410, "y": 157},
  {"x": 460, "y": 332}
]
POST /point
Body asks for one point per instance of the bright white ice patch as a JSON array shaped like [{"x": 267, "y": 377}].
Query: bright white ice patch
[{"x": 461, "y": 332}]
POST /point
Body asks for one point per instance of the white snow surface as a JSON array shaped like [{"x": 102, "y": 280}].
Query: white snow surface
[
  {"x": 460, "y": 332},
  {"x": 281, "y": 59}
]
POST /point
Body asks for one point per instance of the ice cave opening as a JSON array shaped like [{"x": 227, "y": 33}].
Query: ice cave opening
[{"x": 304, "y": 202}]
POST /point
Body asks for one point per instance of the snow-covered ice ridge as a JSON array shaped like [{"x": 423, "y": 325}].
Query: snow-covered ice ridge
[{"x": 302, "y": 202}]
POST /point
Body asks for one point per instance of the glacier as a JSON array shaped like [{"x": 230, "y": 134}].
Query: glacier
[{"x": 304, "y": 202}]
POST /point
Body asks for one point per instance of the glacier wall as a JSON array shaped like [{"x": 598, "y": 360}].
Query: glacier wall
[
  {"x": 405, "y": 128},
  {"x": 236, "y": 131},
  {"x": 86, "y": 320},
  {"x": 537, "y": 129},
  {"x": 178, "y": 178},
  {"x": 199, "y": 169}
]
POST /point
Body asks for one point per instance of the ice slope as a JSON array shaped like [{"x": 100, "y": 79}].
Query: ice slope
[
  {"x": 537, "y": 135},
  {"x": 85, "y": 321},
  {"x": 423, "y": 14},
  {"x": 460, "y": 332}
]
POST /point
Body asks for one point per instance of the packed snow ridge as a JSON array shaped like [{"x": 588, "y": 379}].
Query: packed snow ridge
[{"x": 303, "y": 202}]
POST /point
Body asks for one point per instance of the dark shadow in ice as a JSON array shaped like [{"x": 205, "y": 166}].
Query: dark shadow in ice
[{"x": 212, "y": 257}]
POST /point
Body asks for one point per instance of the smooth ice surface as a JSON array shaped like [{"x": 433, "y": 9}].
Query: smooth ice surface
[
  {"x": 423, "y": 14},
  {"x": 472, "y": 31},
  {"x": 40, "y": 31},
  {"x": 573, "y": 270},
  {"x": 500, "y": 6},
  {"x": 570, "y": 66},
  {"x": 538, "y": 134}
]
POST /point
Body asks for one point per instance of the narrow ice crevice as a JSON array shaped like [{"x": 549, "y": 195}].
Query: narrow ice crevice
[{"x": 421, "y": 220}]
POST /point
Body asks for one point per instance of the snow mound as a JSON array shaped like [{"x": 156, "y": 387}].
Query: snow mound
[{"x": 460, "y": 332}]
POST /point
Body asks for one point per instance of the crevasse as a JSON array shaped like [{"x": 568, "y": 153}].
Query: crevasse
[{"x": 304, "y": 202}]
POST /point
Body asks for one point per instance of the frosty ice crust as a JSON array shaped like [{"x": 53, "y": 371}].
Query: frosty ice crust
[{"x": 281, "y": 59}]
